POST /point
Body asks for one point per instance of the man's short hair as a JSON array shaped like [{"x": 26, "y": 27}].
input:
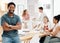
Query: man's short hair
[
  {"x": 11, "y": 3},
  {"x": 41, "y": 8}
]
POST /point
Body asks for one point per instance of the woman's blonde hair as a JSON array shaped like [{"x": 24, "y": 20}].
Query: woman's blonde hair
[{"x": 46, "y": 18}]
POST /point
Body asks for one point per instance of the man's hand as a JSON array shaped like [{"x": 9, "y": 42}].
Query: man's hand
[
  {"x": 6, "y": 27},
  {"x": 16, "y": 27},
  {"x": 46, "y": 30}
]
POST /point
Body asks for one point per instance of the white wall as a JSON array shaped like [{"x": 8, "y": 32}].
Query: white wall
[
  {"x": 2, "y": 4},
  {"x": 56, "y": 7},
  {"x": 31, "y": 4},
  {"x": 34, "y": 4},
  {"x": 48, "y": 7},
  {"x": 20, "y": 6}
]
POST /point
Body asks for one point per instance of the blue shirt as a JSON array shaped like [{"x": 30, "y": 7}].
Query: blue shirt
[{"x": 11, "y": 21}]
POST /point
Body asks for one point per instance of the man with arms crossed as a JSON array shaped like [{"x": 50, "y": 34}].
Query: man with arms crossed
[{"x": 11, "y": 24}]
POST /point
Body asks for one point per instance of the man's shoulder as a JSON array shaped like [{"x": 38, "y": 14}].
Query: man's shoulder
[
  {"x": 16, "y": 16},
  {"x": 4, "y": 15}
]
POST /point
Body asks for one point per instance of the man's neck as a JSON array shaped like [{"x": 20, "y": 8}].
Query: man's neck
[
  {"x": 11, "y": 15},
  {"x": 41, "y": 12}
]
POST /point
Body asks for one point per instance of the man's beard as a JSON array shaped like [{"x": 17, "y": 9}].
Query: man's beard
[{"x": 11, "y": 12}]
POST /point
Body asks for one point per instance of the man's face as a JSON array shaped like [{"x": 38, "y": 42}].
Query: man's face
[
  {"x": 40, "y": 10},
  {"x": 11, "y": 9}
]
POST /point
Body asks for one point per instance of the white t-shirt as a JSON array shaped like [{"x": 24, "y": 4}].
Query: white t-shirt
[
  {"x": 40, "y": 17},
  {"x": 27, "y": 24}
]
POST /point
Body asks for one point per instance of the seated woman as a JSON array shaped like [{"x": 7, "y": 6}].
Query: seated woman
[
  {"x": 46, "y": 26},
  {"x": 25, "y": 15},
  {"x": 26, "y": 22},
  {"x": 55, "y": 34}
]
